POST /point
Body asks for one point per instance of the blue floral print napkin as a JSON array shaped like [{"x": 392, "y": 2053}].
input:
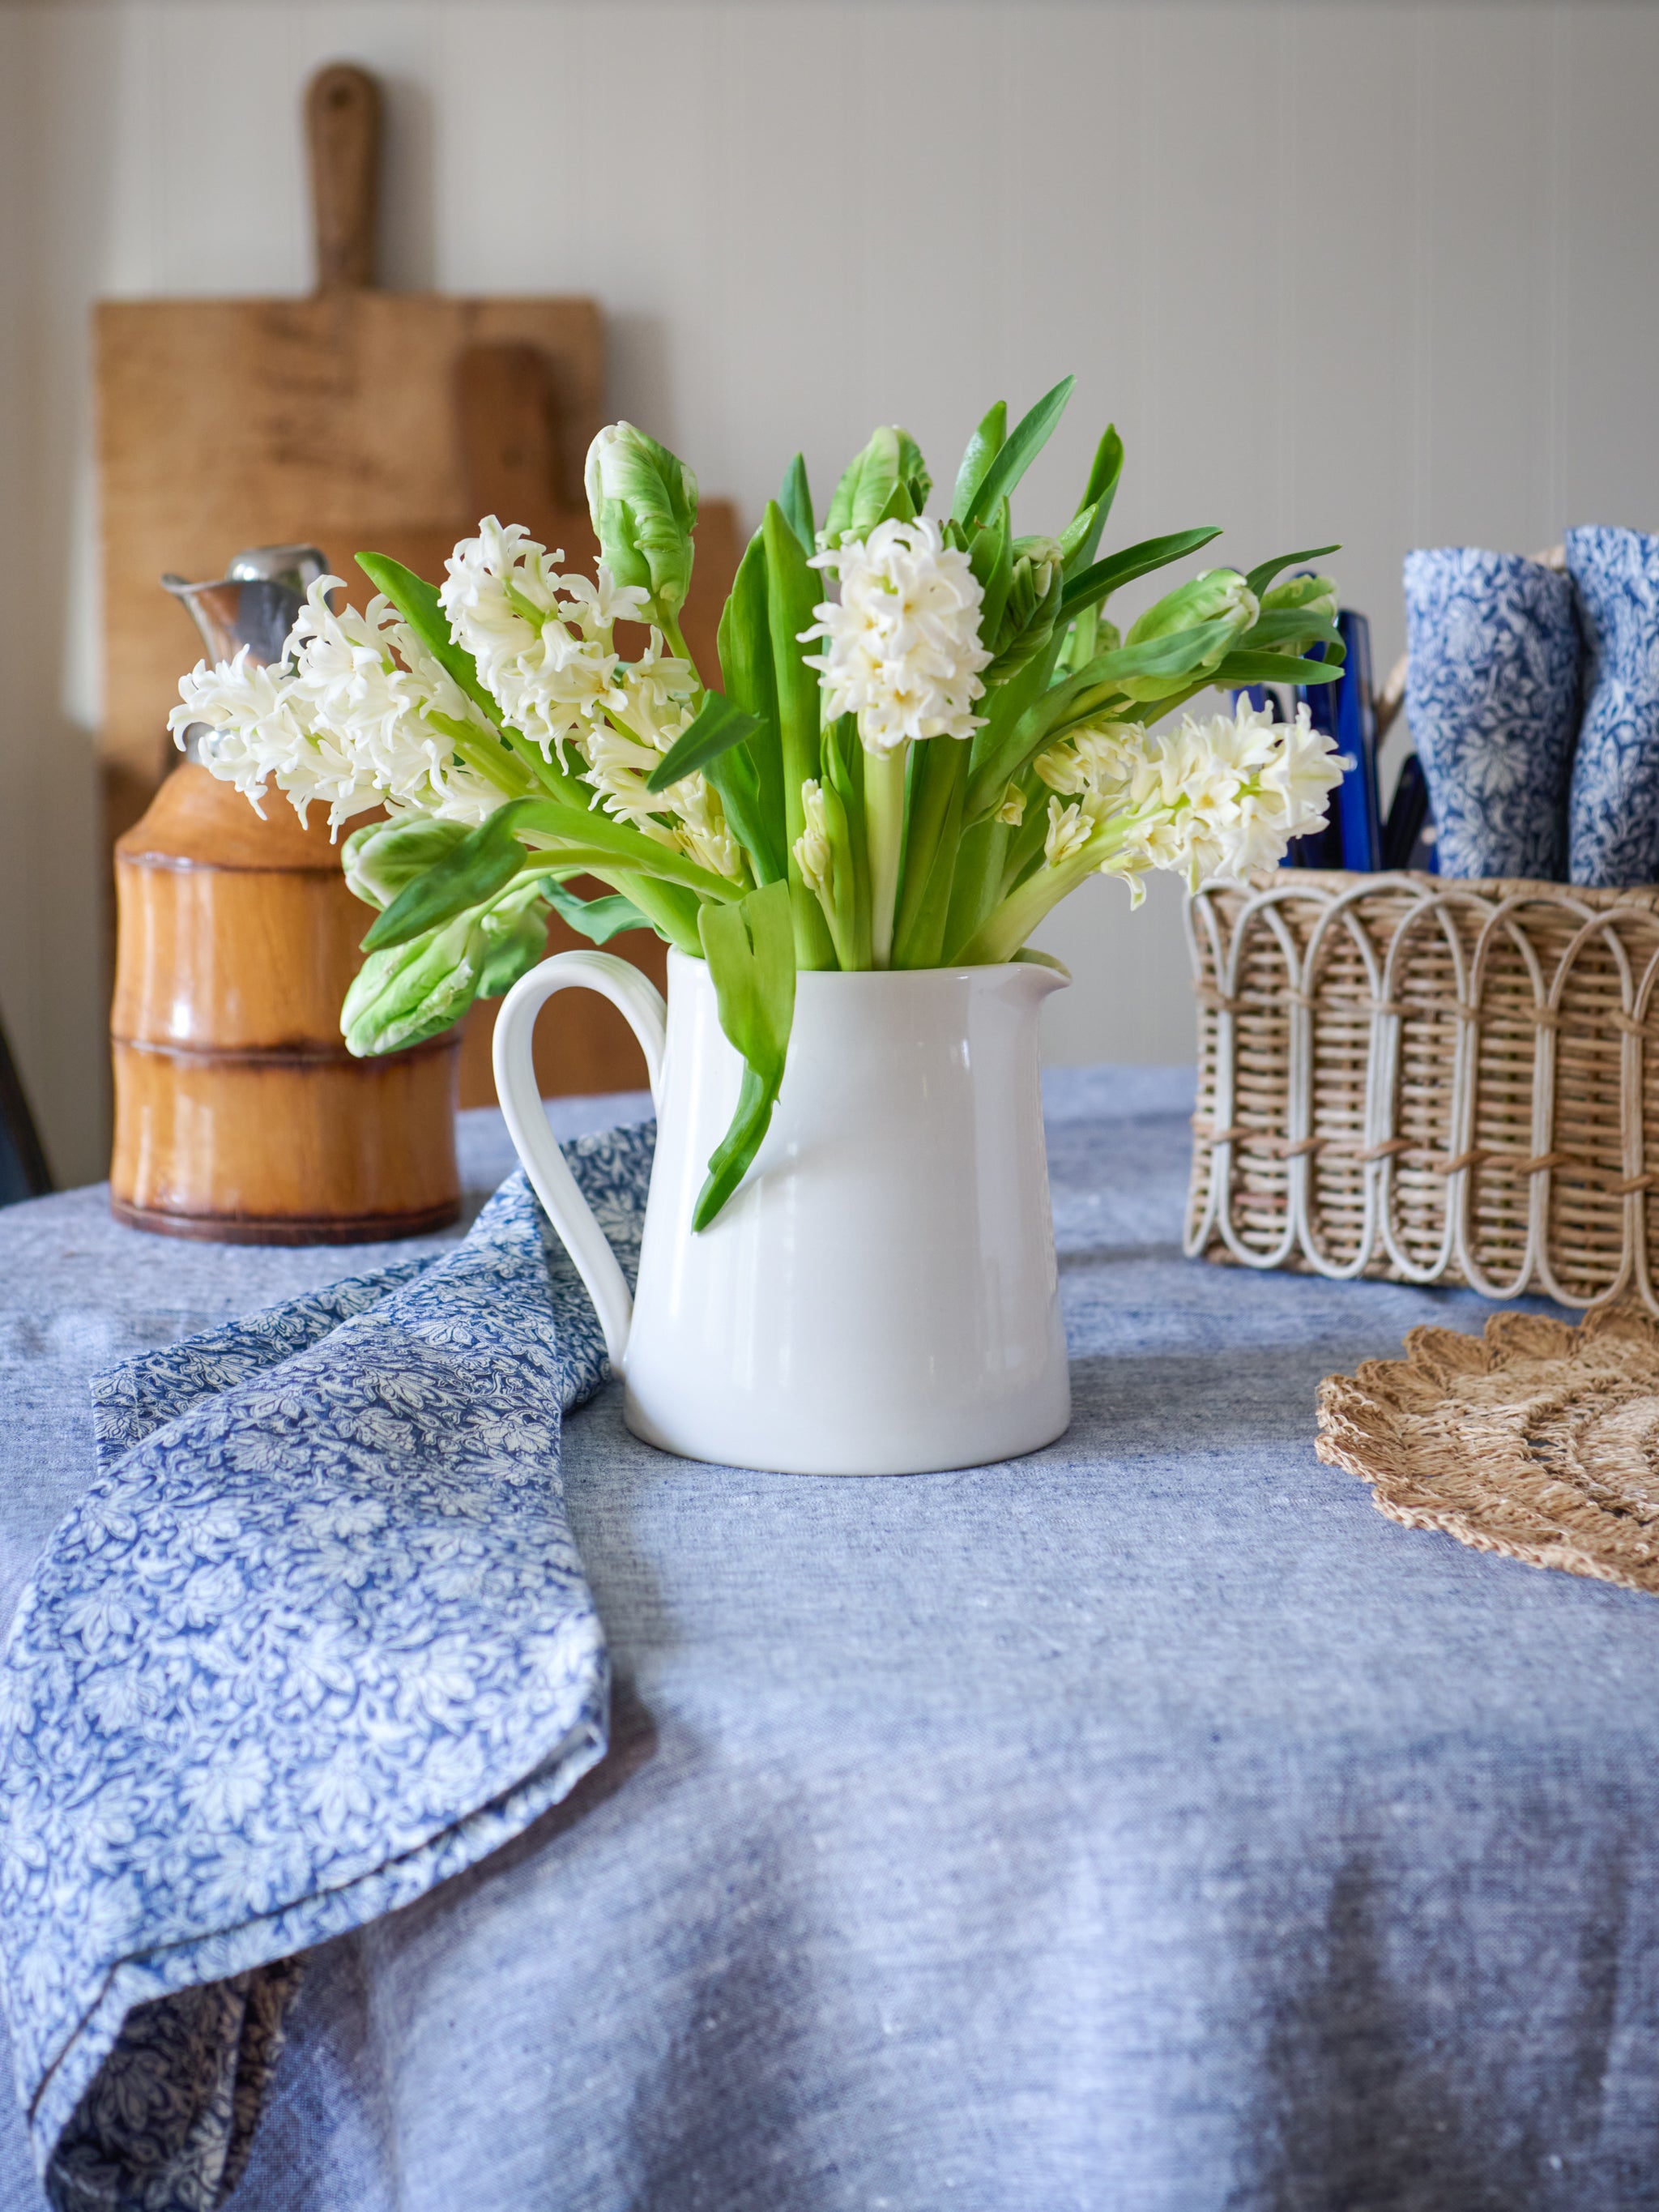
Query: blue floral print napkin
[
  {"x": 1615, "y": 812},
  {"x": 1491, "y": 695},
  {"x": 317, "y": 1637}
]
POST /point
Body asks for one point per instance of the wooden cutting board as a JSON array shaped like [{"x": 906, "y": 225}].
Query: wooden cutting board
[
  {"x": 354, "y": 419},
  {"x": 224, "y": 424}
]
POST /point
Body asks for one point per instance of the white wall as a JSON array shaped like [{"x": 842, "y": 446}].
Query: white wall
[{"x": 1380, "y": 272}]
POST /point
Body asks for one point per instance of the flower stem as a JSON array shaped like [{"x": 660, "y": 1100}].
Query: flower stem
[
  {"x": 884, "y": 818},
  {"x": 1001, "y": 936},
  {"x": 676, "y": 638}
]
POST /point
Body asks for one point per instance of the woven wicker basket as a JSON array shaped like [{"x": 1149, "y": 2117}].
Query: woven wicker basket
[{"x": 1428, "y": 1080}]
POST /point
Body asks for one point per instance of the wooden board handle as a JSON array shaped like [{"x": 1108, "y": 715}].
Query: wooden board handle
[{"x": 343, "y": 128}]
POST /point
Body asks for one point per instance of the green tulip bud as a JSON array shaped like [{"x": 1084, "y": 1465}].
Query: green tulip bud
[
  {"x": 408, "y": 993},
  {"x": 644, "y": 506},
  {"x": 1310, "y": 600},
  {"x": 888, "y": 479},
  {"x": 1218, "y": 595},
  {"x": 381, "y": 858},
  {"x": 1312, "y": 595}
]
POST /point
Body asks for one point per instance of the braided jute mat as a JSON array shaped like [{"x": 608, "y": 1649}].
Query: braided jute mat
[{"x": 1538, "y": 1440}]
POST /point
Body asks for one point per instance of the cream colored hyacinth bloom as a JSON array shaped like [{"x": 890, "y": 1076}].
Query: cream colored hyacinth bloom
[
  {"x": 541, "y": 640},
  {"x": 545, "y": 650},
  {"x": 902, "y": 649},
  {"x": 359, "y": 715},
  {"x": 1216, "y": 797}
]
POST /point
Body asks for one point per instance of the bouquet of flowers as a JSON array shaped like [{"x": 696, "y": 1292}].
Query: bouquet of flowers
[{"x": 926, "y": 734}]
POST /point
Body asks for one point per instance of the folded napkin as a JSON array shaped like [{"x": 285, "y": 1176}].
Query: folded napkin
[
  {"x": 316, "y": 1638},
  {"x": 1491, "y": 695},
  {"x": 1614, "y": 809}
]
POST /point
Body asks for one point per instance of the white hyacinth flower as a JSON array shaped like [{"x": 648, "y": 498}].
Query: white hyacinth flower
[
  {"x": 1070, "y": 828},
  {"x": 252, "y": 737},
  {"x": 397, "y": 717},
  {"x": 1217, "y": 797},
  {"x": 902, "y": 649},
  {"x": 645, "y": 712},
  {"x": 701, "y": 832},
  {"x": 342, "y": 723},
  {"x": 541, "y": 640}
]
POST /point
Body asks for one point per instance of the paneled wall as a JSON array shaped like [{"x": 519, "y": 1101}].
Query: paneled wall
[{"x": 1386, "y": 273}]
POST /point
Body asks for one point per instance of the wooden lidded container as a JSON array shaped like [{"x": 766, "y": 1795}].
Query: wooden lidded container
[{"x": 239, "y": 1115}]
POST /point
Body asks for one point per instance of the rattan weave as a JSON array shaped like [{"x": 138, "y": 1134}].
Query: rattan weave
[{"x": 1430, "y": 1080}]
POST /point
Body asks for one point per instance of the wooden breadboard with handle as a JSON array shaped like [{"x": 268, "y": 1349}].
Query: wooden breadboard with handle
[{"x": 353, "y": 419}]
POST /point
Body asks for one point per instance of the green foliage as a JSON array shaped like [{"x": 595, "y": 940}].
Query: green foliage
[
  {"x": 983, "y": 447},
  {"x": 1022, "y": 447},
  {"x": 795, "y": 498},
  {"x": 417, "y": 602},
  {"x": 1093, "y": 586},
  {"x": 598, "y": 920},
  {"x": 751, "y": 952},
  {"x": 718, "y": 725},
  {"x": 1260, "y": 578},
  {"x": 792, "y": 593},
  {"x": 470, "y": 874},
  {"x": 926, "y": 860}
]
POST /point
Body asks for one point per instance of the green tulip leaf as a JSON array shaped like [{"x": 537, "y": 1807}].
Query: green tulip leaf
[
  {"x": 1025, "y": 441},
  {"x": 1241, "y": 668},
  {"x": 1091, "y": 586},
  {"x": 1260, "y": 578},
  {"x": 751, "y": 952},
  {"x": 1280, "y": 626},
  {"x": 795, "y": 498},
  {"x": 417, "y": 602},
  {"x": 1080, "y": 540},
  {"x": 598, "y": 920},
  {"x": 983, "y": 447},
  {"x": 476, "y": 870},
  {"x": 718, "y": 726}
]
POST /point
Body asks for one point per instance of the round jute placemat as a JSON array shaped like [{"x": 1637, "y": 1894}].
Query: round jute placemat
[{"x": 1539, "y": 1440}]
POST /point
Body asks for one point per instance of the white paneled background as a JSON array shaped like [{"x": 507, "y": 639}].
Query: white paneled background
[{"x": 1387, "y": 273}]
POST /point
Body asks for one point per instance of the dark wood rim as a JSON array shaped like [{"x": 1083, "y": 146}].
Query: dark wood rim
[
  {"x": 290, "y": 1055},
  {"x": 233, "y": 1229}
]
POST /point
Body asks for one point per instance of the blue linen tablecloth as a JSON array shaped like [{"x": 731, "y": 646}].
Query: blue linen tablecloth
[{"x": 1145, "y": 1824}]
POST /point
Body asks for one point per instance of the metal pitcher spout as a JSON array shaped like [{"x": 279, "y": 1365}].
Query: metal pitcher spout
[{"x": 254, "y": 604}]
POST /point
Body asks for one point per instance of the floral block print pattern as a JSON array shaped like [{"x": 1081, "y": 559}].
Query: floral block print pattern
[
  {"x": 316, "y": 1638},
  {"x": 1614, "y": 811},
  {"x": 1492, "y": 699}
]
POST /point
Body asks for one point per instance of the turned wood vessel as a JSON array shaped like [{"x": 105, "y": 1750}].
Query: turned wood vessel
[{"x": 239, "y": 1115}]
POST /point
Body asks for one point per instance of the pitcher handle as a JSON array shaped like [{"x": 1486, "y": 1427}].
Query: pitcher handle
[{"x": 639, "y": 1001}]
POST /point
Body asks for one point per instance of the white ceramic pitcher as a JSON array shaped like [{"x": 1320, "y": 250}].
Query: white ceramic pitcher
[{"x": 879, "y": 1296}]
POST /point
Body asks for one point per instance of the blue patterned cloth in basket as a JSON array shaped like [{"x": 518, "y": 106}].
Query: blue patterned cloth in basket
[
  {"x": 1614, "y": 814},
  {"x": 1492, "y": 696},
  {"x": 316, "y": 1638}
]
